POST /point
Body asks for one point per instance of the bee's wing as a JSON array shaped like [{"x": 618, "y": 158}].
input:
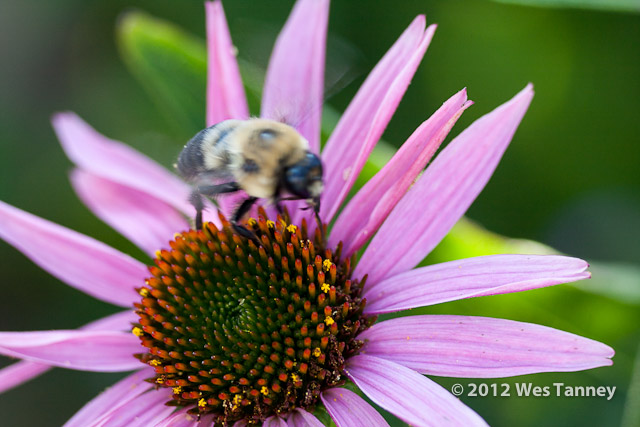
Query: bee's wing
[
  {"x": 210, "y": 177},
  {"x": 344, "y": 63}
]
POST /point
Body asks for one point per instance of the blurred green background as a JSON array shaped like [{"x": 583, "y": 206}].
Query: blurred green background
[{"x": 570, "y": 178}]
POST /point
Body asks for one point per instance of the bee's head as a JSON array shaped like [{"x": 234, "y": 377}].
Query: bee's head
[{"x": 304, "y": 178}]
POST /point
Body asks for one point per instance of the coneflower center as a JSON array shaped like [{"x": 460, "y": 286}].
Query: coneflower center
[{"x": 245, "y": 331}]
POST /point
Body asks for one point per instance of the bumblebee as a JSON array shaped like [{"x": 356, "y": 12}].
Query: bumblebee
[{"x": 265, "y": 158}]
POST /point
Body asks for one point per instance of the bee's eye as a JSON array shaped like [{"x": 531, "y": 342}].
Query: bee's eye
[
  {"x": 301, "y": 176},
  {"x": 296, "y": 180}
]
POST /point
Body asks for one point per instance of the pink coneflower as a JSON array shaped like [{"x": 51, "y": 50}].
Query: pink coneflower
[{"x": 238, "y": 333}]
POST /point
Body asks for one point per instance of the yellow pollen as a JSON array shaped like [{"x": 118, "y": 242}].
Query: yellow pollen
[
  {"x": 292, "y": 228},
  {"x": 264, "y": 390},
  {"x": 137, "y": 332},
  {"x": 317, "y": 352},
  {"x": 326, "y": 264},
  {"x": 237, "y": 399},
  {"x": 161, "y": 379},
  {"x": 251, "y": 222},
  {"x": 157, "y": 253},
  {"x": 202, "y": 403},
  {"x": 325, "y": 287},
  {"x": 144, "y": 292},
  {"x": 177, "y": 390},
  {"x": 155, "y": 362},
  {"x": 271, "y": 224},
  {"x": 329, "y": 320}
]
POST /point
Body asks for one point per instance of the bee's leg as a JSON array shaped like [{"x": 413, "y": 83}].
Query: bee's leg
[
  {"x": 215, "y": 189},
  {"x": 210, "y": 191},
  {"x": 277, "y": 200},
  {"x": 316, "y": 211},
  {"x": 278, "y": 203},
  {"x": 315, "y": 205},
  {"x": 198, "y": 204},
  {"x": 279, "y": 208},
  {"x": 237, "y": 216}
]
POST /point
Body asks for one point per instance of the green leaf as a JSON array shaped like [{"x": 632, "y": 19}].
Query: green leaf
[
  {"x": 170, "y": 64},
  {"x": 610, "y": 5}
]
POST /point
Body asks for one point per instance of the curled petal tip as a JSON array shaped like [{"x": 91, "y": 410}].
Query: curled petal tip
[
  {"x": 217, "y": 4},
  {"x": 522, "y": 98},
  {"x": 60, "y": 116},
  {"x": 419, "y": 21},
  {"x": 466, "y": 102},
  {"x": 428, "y": 33},
  {"x": 610, "y": 354},
  {"x": 582, "y": 265},
  {"x": 606, "y": 352}
]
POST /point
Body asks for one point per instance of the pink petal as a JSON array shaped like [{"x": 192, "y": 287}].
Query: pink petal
[
  {"x": 118, "y": 162},
  {"x": 225, "y": 94},
  {"x": 23, "y": 371},
  {"x": 115, "y": 322},
  {"x": 274, "y": 421},
  {"x": 481, "y": 347},
  {"x": 146, "y": 221},
  {"x": 19, "y": 373},
  {"x": 302, "y": 418},
  {"x": 370, "y": 206},
  {"x": 183, "y": 419},
  {"x": 98, "y": 351},
  {"x": 179, "y": 419},
  {"x": 367, "y": 116},
  {"x": 78, "y": 260},
  {"x": 443, "y": 193},
  {"x": 112, "y": 398},
  {"x": 294, "y": 83},
  {"x": 146, "y": 409},
  {"x": 347, "y": 409},
  {"x": 472, "y": 277},
  {"x": 407, "y": 394}
]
